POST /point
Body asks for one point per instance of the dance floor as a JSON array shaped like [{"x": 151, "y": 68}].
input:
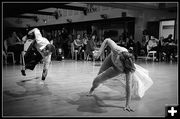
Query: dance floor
[{"x": 66, "y": 86}]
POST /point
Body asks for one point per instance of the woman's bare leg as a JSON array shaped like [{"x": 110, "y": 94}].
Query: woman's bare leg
[
  {"x": 107, "y": 74},
  {"x": 106, "y": 64},
  {"x": 107, "y": 71}
]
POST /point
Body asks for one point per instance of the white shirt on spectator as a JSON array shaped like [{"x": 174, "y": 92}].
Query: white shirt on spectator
[{"x": 152, "y": 43}]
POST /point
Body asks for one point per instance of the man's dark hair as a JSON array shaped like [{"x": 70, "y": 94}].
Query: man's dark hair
[
  {"x": 31, "y": 36},
  {"x": 50, "y": 47}
]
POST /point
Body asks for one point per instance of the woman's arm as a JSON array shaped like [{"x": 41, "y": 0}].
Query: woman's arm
[
  {"x": 128, "y": 91},
  {"x": 108, "y": 42}
]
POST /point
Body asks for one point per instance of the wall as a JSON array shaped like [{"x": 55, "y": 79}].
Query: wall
[{"x": 149, "y": 15}]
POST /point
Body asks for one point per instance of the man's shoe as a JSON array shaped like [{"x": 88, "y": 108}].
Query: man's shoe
[{"x": 23, "y": 72}]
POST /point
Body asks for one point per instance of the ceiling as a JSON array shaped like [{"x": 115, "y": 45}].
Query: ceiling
[
  {"x": 19, "y": 9},
  {"x": 172, "y": 7}
]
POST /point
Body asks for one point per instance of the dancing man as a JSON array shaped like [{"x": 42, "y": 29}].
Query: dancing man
[
  {"x": 39, "y": 50},
  {"x": 120, "y": 61}
]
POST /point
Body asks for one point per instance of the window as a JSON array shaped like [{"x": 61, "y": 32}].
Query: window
[{"x": 167, "y": 27}]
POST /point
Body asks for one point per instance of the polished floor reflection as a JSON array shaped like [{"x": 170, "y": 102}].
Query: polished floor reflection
[{"x": 67, "y": 84}]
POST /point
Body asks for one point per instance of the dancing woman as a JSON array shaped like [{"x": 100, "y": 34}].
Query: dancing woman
[{"x": 120, "y": 61}]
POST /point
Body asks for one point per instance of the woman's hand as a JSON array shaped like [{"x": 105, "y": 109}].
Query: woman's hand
[{"x": 127, "y": 108}]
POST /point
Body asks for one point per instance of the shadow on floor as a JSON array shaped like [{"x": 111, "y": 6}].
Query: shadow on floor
[
  {"x": 31, "y": 88},
  {"x": 90, "y": 104},
  {"x": 117, "y": 97},
  {"x": 30, "y": 79}
]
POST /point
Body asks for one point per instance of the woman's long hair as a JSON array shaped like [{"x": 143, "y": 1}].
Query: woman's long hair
[{"x": 127, "y": 60}]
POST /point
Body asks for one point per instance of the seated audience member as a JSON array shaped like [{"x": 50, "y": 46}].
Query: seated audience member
[
  {"x": 14, "y": 44},
  {"x": 78, "y": 44},
  {"x": 145, "y": 40},
  {"x": 91, "y": 46},
  {"x": 153, "y": 45},
  {"x": 85, "y": 40},
  {"x": 130, "y": 43},
  {"x": 123, "y": 42},
  {"x": 169, "y": 47},
  {"x": 131, "y": 46}
]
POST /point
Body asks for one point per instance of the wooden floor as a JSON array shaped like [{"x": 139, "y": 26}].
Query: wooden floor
[{"x": 68, "y": 83}]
